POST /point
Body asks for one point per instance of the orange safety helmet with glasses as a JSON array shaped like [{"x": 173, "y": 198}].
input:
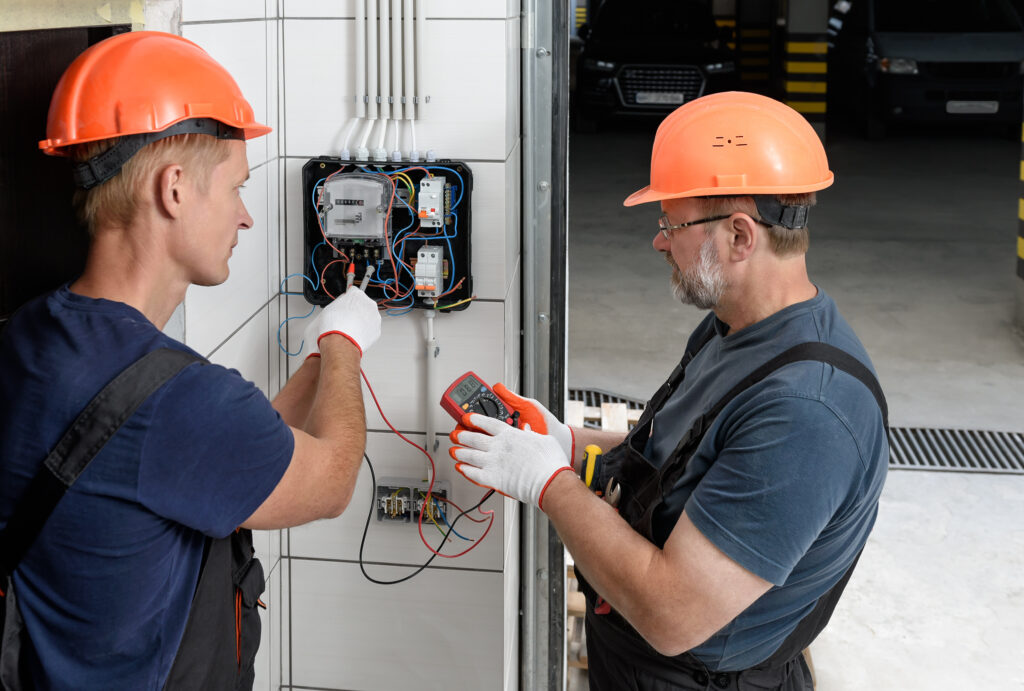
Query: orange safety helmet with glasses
[
  {"x": 142, "y": 86},
  {"x": 737, "y": 144}
]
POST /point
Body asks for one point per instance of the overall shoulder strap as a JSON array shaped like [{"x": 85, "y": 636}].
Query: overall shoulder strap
[
  {"x": 679, "y": 373},
  {"x": 86, "y": 436}
]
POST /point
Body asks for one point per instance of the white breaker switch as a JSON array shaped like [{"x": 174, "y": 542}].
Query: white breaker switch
[
  {"x": 429, "y": 271},
  {"x": 431, "y": 202}
]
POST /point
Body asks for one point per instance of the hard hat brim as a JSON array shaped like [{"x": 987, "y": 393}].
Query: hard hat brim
[{"x": 647, "y": 194}]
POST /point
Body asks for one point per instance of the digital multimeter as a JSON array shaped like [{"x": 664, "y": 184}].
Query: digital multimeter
[{"x": 469, "y": 394}]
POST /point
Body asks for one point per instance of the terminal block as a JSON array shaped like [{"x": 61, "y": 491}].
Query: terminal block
[{"x": 400, "y": 500}]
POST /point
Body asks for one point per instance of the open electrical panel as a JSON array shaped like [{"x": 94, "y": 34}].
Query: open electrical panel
[{"x": 409, "y": 222}]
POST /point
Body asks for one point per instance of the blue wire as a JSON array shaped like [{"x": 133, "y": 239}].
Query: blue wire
[
  {"x": 444, "y": 516},
  {"x": 288, "y": 319}
]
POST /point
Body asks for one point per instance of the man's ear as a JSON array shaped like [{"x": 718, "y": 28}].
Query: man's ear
[
  {"x": 171, "y": 190},
  {"x": 744, "y": 236}
]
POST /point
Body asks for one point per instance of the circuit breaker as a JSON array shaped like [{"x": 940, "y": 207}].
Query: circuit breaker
[{"x": 410, "y": 222}]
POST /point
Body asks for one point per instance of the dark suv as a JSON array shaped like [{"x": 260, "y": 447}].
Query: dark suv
[{"x": 649, "y": 57}]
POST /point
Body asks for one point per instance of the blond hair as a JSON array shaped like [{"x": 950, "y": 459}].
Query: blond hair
[
  {"x": 783, "y": 241},
  {"x": 116, "y": 201}
]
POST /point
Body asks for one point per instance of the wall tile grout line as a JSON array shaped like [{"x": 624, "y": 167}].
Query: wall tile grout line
[
  {"x": 397, "y": 564},
  {"x": 240, "y": 20},
  {"x": 242, "y": 326}
]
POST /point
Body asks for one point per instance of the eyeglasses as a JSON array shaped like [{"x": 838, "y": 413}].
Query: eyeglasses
[{"x": 666, "y": 226}]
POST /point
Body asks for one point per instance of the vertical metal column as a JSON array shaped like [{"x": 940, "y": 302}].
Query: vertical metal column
[
  {"x": 806, "y": 60},
  {"x": 545, "y": 108}
]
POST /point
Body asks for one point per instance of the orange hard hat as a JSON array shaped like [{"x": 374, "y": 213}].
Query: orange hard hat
[
  {"x": 734, "y": 143},
  {"x": 147, "y": 83}
]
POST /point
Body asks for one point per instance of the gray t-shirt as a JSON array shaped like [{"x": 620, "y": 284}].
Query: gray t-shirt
[{"x": 787, "y": 479}]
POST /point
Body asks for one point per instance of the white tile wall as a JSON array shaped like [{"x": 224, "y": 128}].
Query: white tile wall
[
  {"x": 437, "y": 631},
  {"x": 450, "y": 9},
  {"x": 469, "y": 113},
  {"x": 218, "y": 10},
  {"x": 214, "y": 313},
  {"x": 327, "y": 627},
  {"x": 248, "y": 351},
  {"x": 399, "y": 543},
  {"x": 241, "y": 47}
]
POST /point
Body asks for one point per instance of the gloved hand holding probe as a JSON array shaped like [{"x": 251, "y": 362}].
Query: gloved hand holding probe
[
  {"x": 352, "y": 315},
  {"x": 519, "y": 463}
]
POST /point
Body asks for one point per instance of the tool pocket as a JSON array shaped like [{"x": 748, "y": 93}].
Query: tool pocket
[{"x": 249, "y": 582}]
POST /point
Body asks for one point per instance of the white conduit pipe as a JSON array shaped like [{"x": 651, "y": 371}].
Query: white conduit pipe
[
  {"x": 409, "y": 72},
  {"x": 379, "y": 154},
  {"x": 360, "y": 92},
  {"x": 430, "y": 386},
  {"x": 396, "y": 72},
  {"x": 421, "y": 25},
  {"x": 371, "y": 78}
]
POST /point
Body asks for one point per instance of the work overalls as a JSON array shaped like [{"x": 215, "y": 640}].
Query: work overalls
[
  {"x": 643, "y": 488},
  {"x": 222, "y": 633}
]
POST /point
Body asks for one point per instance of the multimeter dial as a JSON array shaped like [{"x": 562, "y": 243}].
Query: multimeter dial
[{"x": 470, "y": 395}]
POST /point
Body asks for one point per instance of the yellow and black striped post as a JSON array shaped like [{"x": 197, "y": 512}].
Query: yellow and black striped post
[
  {"x": 581, "y": 15},
  {"x": 727, "y": 22},
  {"x": 1019, "y": 311},
  {"x": 754, "y": 48},
  {"x": 806, "y": 78}
]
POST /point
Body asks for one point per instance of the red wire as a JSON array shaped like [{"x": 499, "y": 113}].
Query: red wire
[{"x": 430, "y": 487}]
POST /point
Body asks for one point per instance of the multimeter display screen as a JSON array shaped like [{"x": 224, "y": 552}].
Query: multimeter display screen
[{"x": 463, "y": 391}]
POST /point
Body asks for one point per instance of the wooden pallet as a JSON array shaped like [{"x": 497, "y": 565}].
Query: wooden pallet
[{"x": 612, "y": 417}]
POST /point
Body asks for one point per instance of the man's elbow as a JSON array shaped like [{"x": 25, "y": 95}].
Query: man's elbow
[{"x": 670, "y": 634}]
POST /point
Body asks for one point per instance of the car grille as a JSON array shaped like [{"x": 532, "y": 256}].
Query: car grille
[
  {"x": 683, "y": 79},
  {"x": 970, "y": 70}
]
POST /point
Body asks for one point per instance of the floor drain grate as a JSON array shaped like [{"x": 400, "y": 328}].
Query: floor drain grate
[
  {"x": 976, "y": 451},
  {"x": 910, "y": 448}
]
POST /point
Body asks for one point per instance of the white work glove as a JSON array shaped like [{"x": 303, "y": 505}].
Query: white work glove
[
  {"x": 354, "y": 316},
  {"x": 519, "y": 463},
  {"x": 540, "y": 420},
  {"x": 309, "y": 337}
]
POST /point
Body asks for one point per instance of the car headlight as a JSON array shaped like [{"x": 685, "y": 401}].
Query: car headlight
[
  {"x": 719, "y": 67},
  {"x": 599, "y": 65},
  {"x": 897, "y": 65}
]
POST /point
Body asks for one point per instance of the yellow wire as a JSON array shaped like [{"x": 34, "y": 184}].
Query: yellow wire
[
  {"x": 454, "y": 304},
  {"x": 429, "y": 512},
  {"x": 408, "y": 183}
]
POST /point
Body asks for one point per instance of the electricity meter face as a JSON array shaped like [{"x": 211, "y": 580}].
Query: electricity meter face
[{"x": 355, "y": 207}]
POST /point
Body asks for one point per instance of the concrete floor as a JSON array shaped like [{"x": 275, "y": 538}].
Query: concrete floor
[{"x": 916, "y": 242}]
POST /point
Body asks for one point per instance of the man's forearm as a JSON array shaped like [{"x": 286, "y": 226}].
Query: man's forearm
[
  {"x": 295, "y": 399},
  {"x": 337, "y": 411}
]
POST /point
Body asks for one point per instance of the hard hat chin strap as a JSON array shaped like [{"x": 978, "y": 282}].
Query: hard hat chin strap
[
  {"x": 778, "y": 214},
  {"x": 102, "y": 167}
]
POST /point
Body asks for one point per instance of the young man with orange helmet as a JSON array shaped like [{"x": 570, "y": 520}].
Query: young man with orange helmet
[
  {"x": 125, "y": 556},
  {"x": 735, "y": 510}
]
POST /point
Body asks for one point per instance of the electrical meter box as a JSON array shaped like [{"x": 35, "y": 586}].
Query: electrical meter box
[
  {"x": 355, "y": 207},
  {"x": 410, "y": 221}
]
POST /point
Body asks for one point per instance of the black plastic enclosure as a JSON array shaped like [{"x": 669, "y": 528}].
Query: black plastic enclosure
[{"x": 326, "y": 268}]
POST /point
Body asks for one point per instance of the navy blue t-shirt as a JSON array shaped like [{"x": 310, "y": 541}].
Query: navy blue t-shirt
[
  {"x": 787, "y": 479},
  {"x": 105, "y": 590}
]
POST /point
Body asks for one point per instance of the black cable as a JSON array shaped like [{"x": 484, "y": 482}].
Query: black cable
[{"x": 366, "y": 528}]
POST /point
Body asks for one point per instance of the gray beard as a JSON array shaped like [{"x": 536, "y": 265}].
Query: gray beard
[{"x": 701, "y": 285}]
